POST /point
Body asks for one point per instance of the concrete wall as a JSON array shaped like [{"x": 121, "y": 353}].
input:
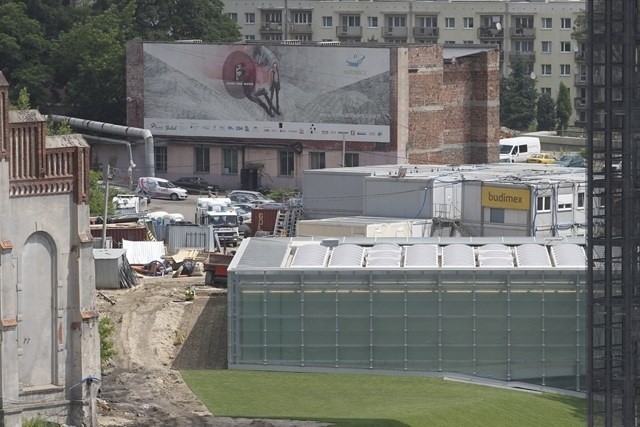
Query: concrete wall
[{"x": 49, "y": 343}]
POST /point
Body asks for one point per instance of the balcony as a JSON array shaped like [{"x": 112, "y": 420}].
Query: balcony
[
  {"x": 271, "y": 27},
  {"x": 426, "y": 32},
  {"x": 580, "y": 56},
  {"x": 580, "y": 80},
  {"x": 580, "y": 103},
  {"x": 489, "y": 33},
  {"x": 522, "y": 33},
  {"x": 300, "y": 29},
  {"x": 526, "y": 56},
  {"x": 395, "y": 32},
  {"x": 348, "y": 31}
]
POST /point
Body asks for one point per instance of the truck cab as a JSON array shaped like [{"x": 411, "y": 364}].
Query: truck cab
[{"x": 220, "y": 214}]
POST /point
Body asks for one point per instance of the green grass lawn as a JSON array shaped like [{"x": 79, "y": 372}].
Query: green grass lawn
[{"x": 351, "y": 400}]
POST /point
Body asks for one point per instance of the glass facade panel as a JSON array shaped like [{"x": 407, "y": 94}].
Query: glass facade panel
[{"x": 502, "y": 324}]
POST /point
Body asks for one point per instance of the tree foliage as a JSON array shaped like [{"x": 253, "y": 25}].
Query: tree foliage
[
  {"x": 73, "y": 57},
  {"x": 546, "y": 112},
  {"x": 517, "y": 97},
  {"x": 564, "y": 109}
]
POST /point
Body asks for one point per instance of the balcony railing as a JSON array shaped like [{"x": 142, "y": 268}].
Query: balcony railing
[
  {"x": 580, "y": 103},
  {"x": 395, "y": 31},
  {"x": 268, "y": 27},
  {"x": 580, "y": 56},
  {"x": 348, "y": 31},
  {"x": 520, "y": 32},
  {"x": 300, "y": 29},
  {"x": 580, "y": 79},
  {"x": 489, "y": 33},
  {"x": 526, "y": 56},
  {"x": 431, "y": 32}
]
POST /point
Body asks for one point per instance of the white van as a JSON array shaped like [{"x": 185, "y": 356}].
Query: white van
[
  {"x": 160, "y": 188},
  {"x": 518, "y": 149}
]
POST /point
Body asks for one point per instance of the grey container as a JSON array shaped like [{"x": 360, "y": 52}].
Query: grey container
[{"x": 108, "y": 263}]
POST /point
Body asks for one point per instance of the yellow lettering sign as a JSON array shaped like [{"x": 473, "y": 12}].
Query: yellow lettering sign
[{"x": 506, "y": 198}]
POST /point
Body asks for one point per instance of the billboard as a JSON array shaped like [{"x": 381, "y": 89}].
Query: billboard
[
  {"x": 267, "y": 91},
  {"x": 506, "y": 198}
]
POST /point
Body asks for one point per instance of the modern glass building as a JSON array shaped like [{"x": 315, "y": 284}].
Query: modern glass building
[{"x": 509, "y": 310}]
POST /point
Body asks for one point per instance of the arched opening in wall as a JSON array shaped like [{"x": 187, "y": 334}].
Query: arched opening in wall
[{"x": 36, "y": 312}]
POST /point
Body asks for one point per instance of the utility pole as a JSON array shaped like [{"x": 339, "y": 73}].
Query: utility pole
[{"x": 106, "y": 172}]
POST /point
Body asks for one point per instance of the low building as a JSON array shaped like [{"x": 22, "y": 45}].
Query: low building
[
  {"x": 502, "y": 199},
  {"x": 49, "y": 341},
  {"x": 506, "y": 309},
  {"x": 257, "y": 115}
]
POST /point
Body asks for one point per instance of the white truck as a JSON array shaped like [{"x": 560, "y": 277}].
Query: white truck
[
  {"x": 219, "y": 213},
  {"x": 129, "y": 204},
  {"x": 518, "y": 149}
]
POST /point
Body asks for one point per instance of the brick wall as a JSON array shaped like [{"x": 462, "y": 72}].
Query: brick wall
[{"x": 453, "y": 107}]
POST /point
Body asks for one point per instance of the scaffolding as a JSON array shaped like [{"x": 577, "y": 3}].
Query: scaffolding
[{"x": 614, "y": 206}]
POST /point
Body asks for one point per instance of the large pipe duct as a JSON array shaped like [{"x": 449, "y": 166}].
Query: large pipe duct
[{"x": 145, "y": 134}]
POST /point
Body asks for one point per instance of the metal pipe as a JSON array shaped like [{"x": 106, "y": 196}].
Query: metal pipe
[
  {"x": 117, "y": 141},
  {"x": 115, "y": 130}
]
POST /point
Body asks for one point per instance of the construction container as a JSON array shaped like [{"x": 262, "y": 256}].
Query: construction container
[
  {"x": 363, "y": 226},
  {"x": 263, "y": 219},
  {"x": 108, "y": 263},
  {"x": 120, "y": 232}
]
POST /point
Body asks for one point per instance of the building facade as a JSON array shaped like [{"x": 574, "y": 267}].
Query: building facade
[
  {"x": 504, "y": 199},
  {"x": 215, "y": 111},
  {"x": 511, "y": 310},
  {"x": 546, "y": 34},
  {"x": 49, "y": 346}
]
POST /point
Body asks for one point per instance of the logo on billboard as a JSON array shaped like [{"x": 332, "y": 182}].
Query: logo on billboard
[{"x": 355, "y": 61}]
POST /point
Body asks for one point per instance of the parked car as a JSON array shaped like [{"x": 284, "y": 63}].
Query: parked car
[
  {"x": 195, "y": 184},
  {"x": 571, "y": 160},
  {"x": 244, "y": 196},
  {"x": 544, "y": 158},
  {"x": 160, "y": 188}
]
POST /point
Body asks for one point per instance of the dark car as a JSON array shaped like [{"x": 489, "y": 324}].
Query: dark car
[
  {"x": 571, "y": 160},
  {"x": 195, "y": 185}
]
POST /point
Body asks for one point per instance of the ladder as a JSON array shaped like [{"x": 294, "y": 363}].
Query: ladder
[{"x": 286, "y": 222}]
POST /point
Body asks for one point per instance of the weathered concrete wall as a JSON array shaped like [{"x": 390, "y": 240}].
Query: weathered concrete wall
[{"x": 49, "y": 346}]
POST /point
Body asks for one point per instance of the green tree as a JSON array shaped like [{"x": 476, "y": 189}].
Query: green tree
[
  {"x": 175, "y": 20},
  {"x": 23, "y": 52},
  {"x": 546, "y": 112},
  {"x": 96, "y": 195},
  {"x": 91, "y": 65},
  {"x": 564, "y": 108},
  {"x": 517, "y": 97}
]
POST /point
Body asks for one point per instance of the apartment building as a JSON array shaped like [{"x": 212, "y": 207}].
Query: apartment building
[{"x": 543, "y": 33}]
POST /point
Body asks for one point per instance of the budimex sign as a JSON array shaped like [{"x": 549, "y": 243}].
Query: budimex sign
[{"x": 506, "y": 198}]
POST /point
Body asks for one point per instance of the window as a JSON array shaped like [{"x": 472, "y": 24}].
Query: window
[
  {"x": 496, "y": 215},
  {"x": 249, "y": 37},
  {"x": 302, "y": 18},
  {"x": 351, "y": 160},
  {"x": 327, "y": 21},
  {"x": 467, "y": 41},
  {"x": 397, "y": 21},
  {"x": 523, "y": 45},
  {"x": 230, "y": 160},
  {"x": 565, "y": 69},
  {"x": 351, "y": 21},
  {"x": 565, "y": 23},
  {"x": 285, "y": 160},
  {"x": 524, "y": 22},
  {"x": 449, "y": 42},
  {"x": 546, "y": 47},
  {"x": 273, "y": 17},
  {"x": 316, "y": 161},
  {"x": 565, "y": 202},
  {"x": 427, "y": 22},
  {"x": 202, "y": 159},
  {"x": 372, "y": 22},
  {"x": 580, "y": 200},
  {"x": 543, "y": 204},
  {"x": 233, "y": 16},
  {"x": 545, "y": 69},
  {"x": 303, "y": 37},
  {"x": 546, "y": 90},
  {"x": 468, "y": 23},
  {"x": 449, "y": 22},
  {"x": 546, "y": 23},
  {"x": 565, "y": 47},
  {"x": 160, "y": 158},
  {"x": 249, "y": 18},
  {"x": 272, "y": 37}
]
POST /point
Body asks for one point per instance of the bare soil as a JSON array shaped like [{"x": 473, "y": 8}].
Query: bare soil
[{"x": 157, "y": 334}]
